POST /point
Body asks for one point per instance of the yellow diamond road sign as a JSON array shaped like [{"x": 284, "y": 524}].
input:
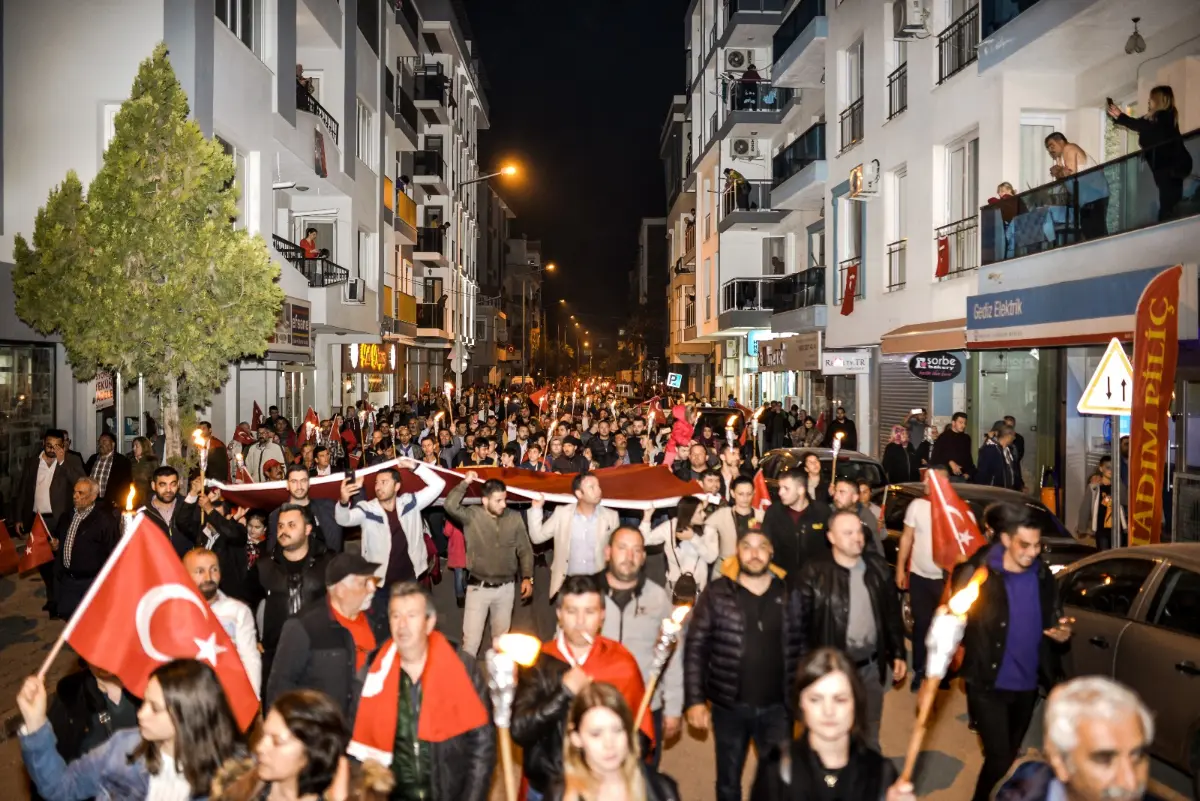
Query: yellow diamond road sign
[{"x": 1111, "y": 389}]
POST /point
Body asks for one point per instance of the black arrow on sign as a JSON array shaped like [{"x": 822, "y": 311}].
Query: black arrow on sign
[
  {"x": 1122, "y": 389},
  {"x": 1108, "y": 383}
]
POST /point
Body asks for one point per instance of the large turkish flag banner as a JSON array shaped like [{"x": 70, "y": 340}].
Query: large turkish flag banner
[
  {"x": 1155, "y": 352},
  {"x": 955, "y": 533},
  {"x": 143, "y": 611}
]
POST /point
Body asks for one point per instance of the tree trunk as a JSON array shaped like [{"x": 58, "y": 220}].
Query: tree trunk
[{"x": 172, "y": 450}]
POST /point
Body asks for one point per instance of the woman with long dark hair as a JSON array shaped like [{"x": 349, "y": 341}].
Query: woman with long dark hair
[
  {"x": 690, "y": 551},
  {"x": 600, "y": 753},
  {"x": 185, "y": 733},
  {"x": 829, "y": 761},
  {"x": 1163, "y": 148}
]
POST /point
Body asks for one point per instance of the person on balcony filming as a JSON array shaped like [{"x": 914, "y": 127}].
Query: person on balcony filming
[{"x": 1162, "y": 146}]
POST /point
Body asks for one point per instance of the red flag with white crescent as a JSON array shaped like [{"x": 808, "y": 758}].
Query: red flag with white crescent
[
  {"x": 956, "y": 535},
  {"x": 256, "y": 418},
  {"x": 762, "y": 496},
  {"x": 143, "y": 611},
  {"x": 9, "y": 560},
  {"x": 37, "y": 550},
  {"x": 309, "y": 428}
]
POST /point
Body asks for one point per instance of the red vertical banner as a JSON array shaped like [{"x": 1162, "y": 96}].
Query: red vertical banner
[
  {"x": 850, "y": 289},
  {"x": 943, "y": 258},
  {"x": 1155, "y": 353}
]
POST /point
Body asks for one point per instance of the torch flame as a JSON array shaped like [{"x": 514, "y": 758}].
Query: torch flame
[
  {"x": 960, "y": 603},
  {"x": 680, "y": 614},
  {"x": 129, "y": 499},
  {"x": 439, "y": 415},
  {"x": 198, "y": 438},
  {"x": 757, "y": 413},
  {"x": 521, "y": 648},
  {"x": 732, "y": 419},
  {"x": 839, "y": 436}
]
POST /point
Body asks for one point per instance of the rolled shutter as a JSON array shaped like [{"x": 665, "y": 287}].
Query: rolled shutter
[{"x": 899, "y": 393}]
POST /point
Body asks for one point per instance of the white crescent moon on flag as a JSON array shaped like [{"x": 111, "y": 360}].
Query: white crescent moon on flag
[{"x": 154, "y": 598}]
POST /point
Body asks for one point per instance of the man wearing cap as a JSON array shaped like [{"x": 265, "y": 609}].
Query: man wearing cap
[
  {"x": 324, "y": 647},
  {"x": 272, "y": 470},
  {"x": 572, "y": 460}
]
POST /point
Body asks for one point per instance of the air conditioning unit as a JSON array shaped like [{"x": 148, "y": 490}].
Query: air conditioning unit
[
  {"x": 355, "y": 292},
  {"x": 745, "y": 149},
  {"x": 908, "y": 18},
  {"x": 738, "y": 60},
  {"x": 864, "y": 181}
]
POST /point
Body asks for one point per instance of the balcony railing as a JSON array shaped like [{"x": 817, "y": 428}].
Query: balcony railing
[
  {"x": 431, "y": 315},
  {"x": 689, "y": 237},
  {"x": 757, "y": 96},
  {"x": 898, "y": 90},
  {"x": 958, "y": 44},
  {"x": 406, "y": 209},
  {"x": 320, "y": 272},
  {"x": 962, "y": 246},
  {"x": 746, "y": 196},
  {"x": 428, "y": 162},
  {"x": 850, "y": 125},
  {"x": 896, "y": 257},
  {"x": 746, "y": 294},
  {"x": 306, "y": 102},
  {"x": 799, "y": 290},
  {"x": 753, "y": 6},
  {"x": 431, "y": 84},
  {"x": 844, "y": 271},
  {"x": 1118, "y": 196},
  {"x": 431, "y": 240},
  {"x": 406, "y": 109},
  {"x": 407, "y": 10},
  {"x": 998, "y": 13},
  {"x": 806, "y": 149},
  {"x": 795, "y": 23},
  {"x": 682, "y": 268},
  {"x": 712, "y": 127}
]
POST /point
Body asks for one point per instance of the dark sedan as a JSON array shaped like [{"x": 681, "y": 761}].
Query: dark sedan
[{"x": 851, "y": 464}]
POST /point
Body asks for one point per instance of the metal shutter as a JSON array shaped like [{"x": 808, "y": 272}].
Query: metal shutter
[{"x": 899, "y": 394}]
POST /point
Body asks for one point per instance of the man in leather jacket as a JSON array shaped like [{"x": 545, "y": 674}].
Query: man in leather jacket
[
  {"x": 832, "y": 595},
  {"x": 1015, "y": 631}
]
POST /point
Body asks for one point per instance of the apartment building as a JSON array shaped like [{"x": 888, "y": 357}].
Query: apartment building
[
  {"x": 523, "y": 304},
  {"x": 493, "y": 352},
  {"x": 650, "y": 290}
]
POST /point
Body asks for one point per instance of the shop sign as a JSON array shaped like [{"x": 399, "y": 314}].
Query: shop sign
[
  {"x": 292, "y": 327},
  {"x": 938, "y": 365},
  {"x": 104, "y": 390},
  {"x": 846, "y": 362},
  {"x": 801, "y": 352},
  {"x": 369, "y": 357}
]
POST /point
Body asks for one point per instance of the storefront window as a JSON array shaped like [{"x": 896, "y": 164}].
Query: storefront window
[
  {"x": 26, "y": 407},
  {"x": 1008, "y": 386}
]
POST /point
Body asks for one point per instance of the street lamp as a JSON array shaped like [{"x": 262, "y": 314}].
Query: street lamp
[{"x": 508, "y": 170}]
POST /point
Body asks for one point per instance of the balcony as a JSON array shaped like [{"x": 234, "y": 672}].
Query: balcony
[
  {"x": 689, "y": 243},
  {"x": 320, "y": 272},
  {"x": 844, "y": 268},
  {"x": 850, "y": 126},
  {"x": 896, "y": 258},
  {"x": 747, "y": 207},
  {"x": 752, "y": 107},
  {"x": 748, "y": 22},
  {"x": 431, "y": 246},
  {"x": 406, "y": 118},
  {"x": 1114, "y": 198},
  {"x": 431, "y": 94},
  {"x": 799, "y": 172},
  {"x": 897, "y": 88},
  {"x": 389, "y": 202},
  {"x": 745, "y": 304},
  {"x": 407, "y": 18},
  {"x": 958, "y": 44},
  {"x": 957, "y": 248},
  {"x": 431, "y": 321},
  {"x": 798, "y": 47},
  {"x": 305, "y": 101},
  {"x": 799, "y": 301},
  {"x": 405, "y": 222},
  {"x": 429, "y": 172}
]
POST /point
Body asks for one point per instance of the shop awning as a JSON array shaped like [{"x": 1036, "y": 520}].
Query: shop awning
[{"x": 942, "y": 335}]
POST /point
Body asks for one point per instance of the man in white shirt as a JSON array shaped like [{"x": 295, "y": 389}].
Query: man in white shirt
[
  {"x": 236, "y": 618},
  {"x": 924, "y": 580}
]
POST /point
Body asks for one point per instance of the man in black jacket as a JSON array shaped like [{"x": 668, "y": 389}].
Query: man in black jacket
[
  {"x": 1013, "y": 638},
  {"x": 326, "y": 645},
  {"x": 179, "y": 520},
  {"x": 111, "y": 470},
  {"x": 843, "y": 425},
  {"x": 696, "y": 465},
  {"x": 86, "y": 538},
  {"x": 849, "y": 602},
  {"x": 46, "y": 488},
  {"x": 571, "y": 461},
  {"x": 225, "y": 535},
  {"x": 741, "y": 651},
  {"x": 292, "y": 578},
  {"x": 796, "y": 525},
  {"x": 88, "y": 706},
  {"x": 953, "y": 449},
  {"x": 320, "y": 510},
  {"x": 604, "y": 449}
]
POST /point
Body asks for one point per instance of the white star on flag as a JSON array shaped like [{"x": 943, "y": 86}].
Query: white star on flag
[{"x": 208, "y": 649}]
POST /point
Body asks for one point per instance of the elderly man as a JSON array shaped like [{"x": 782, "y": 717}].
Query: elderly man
[
  {"x": 111, "y": 470},
  {"x": 86, "y": 538},
  {"x": 1098, "y": 736}
]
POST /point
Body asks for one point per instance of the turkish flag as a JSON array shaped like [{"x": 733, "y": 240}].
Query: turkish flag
[
  {"x": 37, "y": 548},
  {"x": 850, "y": 289},
  {"x": 956, "y": 535},
  {"x": 943, "y": 258},
  {"x": 143, "y": 611},
  {"x": 539, "y": 398},
  {"x": 256, "y": 418},
  {"x": 309, "y": 428},
  {"x": 9, "y": 560},
  {"x": 243, "y": 436},
  {"x": 762, "y": 496}
]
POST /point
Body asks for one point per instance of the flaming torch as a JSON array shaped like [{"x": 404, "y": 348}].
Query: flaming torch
[
  {"x": 437, "y": 418},
  {"x": 509, "y": 651},
  {"x": 729, "y": 429},
  {"x": 202, "y": 444},
  {"x": 758, "y": 429},
  {"x": 240, "y": 461},
  {"x": 127, "y": 515},
  {"x": 449, "y": 389},
  {"x": 668, "y": 635},
  {"x": 945, "y": 634}
]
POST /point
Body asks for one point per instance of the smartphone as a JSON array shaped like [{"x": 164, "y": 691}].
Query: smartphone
[
  {"x": 917, "y": 411},
  {"x": 351, "y": 475},
  {"x": 1110, "y": 101}
]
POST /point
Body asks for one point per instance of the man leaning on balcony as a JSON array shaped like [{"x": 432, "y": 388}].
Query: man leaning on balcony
[{"x": 1090, "y": 191}]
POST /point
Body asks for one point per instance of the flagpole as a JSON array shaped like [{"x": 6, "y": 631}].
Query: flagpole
[{"x": 69, "y": 629}]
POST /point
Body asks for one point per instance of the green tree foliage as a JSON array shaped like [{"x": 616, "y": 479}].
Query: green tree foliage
[{"x": 146, "y": 273}]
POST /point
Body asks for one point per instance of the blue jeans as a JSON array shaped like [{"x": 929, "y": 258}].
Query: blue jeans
[
  {"x": 460, "y": 582},
  {"x": 733, "y": 729},
  {"x": 533, "y": 795}
]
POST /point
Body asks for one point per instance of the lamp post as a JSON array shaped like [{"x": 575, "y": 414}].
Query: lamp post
[{"x": 508, "y": 170}]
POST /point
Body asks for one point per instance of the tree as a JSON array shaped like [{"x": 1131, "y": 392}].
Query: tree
[{"x": 147, "y": 273}]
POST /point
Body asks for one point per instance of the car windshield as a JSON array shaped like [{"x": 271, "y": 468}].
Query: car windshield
[
  {"x": 718, "y": 419},
  {"x": 848, "y": 467}
]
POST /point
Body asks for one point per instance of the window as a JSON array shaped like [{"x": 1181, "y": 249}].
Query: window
[
  {"x": 854, "y": 212},
  {"x": 1176, "y": 606},
  {"x": 897, "y": 249},
  {"x": 365, "y": 147},
  {"x": 816, "y": 248},
  {"x": 1109, "y": 587},
  {"x": 854, "y": 72},
  {"x": 709, "y": 278},
  {"x": 774, "y": 255},
  {"x": 239, "y": 179},
  {"x": 366, "y": 258},
  {"x": 110, "y": 123},
  {"x": 1035, "y": 161},
  {"x": 962, "y": 171},
  {"x": 244, "y": 19},
  {"x": 899, "y": 200}
]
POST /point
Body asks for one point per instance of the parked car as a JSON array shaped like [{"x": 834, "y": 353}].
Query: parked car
[
  {"x": 1059, "y": 548},
  {"x": 1137, "y": 620},
  {"x": 851, "y": 464},
  {"x": 719, "y": 417}
]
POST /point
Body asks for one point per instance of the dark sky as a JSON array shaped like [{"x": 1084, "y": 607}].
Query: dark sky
[{"x": 579, "y": 91}]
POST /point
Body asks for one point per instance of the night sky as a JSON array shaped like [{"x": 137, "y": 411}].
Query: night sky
[{"x": 578, "y": 92}]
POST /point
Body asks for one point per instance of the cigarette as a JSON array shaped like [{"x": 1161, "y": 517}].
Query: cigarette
[{"x": 587, "y": 637}]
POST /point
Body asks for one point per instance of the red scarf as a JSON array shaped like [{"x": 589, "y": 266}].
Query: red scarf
[
  {"x": 449, "y": 703},
  {"x": 610, "y": 662}
]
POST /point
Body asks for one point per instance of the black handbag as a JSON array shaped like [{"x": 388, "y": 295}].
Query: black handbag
[{"x": 685, "y": 590}]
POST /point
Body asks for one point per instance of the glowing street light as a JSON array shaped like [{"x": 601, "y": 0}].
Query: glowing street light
[{"x": 551, "y": 267}]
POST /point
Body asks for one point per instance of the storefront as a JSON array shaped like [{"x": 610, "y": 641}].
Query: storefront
[
  {"x": 284, "y": 376},
  {"x": 369, "y": 372},
  {"x": 27, "y": 400},
  {"x": 787, "y": 365},
  {"x": 845, "y": 381}
]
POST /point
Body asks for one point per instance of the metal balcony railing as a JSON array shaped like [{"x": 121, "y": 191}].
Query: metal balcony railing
[
  {"x": 428, "y": 162},
  {"x": 746, "y": 294},
  {"x": 799, "y": 290},
  {"x": 756, "y": 96},
  {"x": 306, "y": 102},
  {"x": 689, "y": 237},
  {"x": 1118, "y": 196},
  {"x": 958, "y": 44},
  {"x": 753, "y": 6},
  {"x": 320, "y": 272},
  {"x": 746, "y": 196},
  {"x": 807, "y": 148},
  {"x": 431, "y": 315},
  {"x": 962, "y": 242},
  {"x": 431, "y": 84},
  {"x": 998, "y": 13},
  {"x": 406, "y": 109},
  {"x": 431, "y": 240},
  {"x": 896, "y": 257},
  {"x": 850, "y": 125},
  {"x": 790, "y": 29},
  {"x": 407, "y": 10},
  {"x": 897, "y": 86},
  {"x": 843, "y": 271}
]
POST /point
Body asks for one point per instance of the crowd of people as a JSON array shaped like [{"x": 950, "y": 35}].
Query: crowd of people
[{"x": 794, "y": 615}]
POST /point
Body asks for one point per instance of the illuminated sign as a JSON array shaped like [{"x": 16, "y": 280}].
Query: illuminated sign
[{"x": 369, "y": 357}]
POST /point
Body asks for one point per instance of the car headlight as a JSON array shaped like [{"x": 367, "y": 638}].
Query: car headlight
[{"x": 1056, "y": 569}]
